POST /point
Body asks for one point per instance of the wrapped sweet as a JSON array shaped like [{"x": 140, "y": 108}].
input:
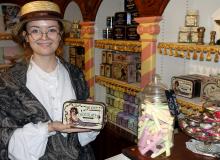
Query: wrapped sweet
[{"x": 204, "y": 127}]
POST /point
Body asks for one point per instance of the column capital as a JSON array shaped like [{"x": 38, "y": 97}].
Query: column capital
[
  {"x": 87, "y": 29},
  {"x": 148, "y": 27}
]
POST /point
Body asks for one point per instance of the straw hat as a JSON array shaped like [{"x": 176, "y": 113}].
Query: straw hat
[{"x": 40, "y": 10}]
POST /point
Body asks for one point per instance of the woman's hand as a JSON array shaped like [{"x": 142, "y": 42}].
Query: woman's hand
[{"x": 67, "y": 128}]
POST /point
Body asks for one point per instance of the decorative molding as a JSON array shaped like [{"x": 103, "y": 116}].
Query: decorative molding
[
  {"x": 190, "y": 51},
  {"x": 130, "y": 46},
  {"x": 5, "y": 36},
  {"x": 121, "y": 86},
  {"x": 74, "y": 42}
]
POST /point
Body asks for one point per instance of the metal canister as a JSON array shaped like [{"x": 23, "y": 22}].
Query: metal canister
[{"x": 110, "y": 22}]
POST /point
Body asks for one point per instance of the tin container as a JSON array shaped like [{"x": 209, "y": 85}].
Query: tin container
[
  {"x": 186, "y": 86},
  {"x": 124, "y": 71},
  {"x": 108, "y": 70},
  {"x": 194, "y": 34},
  {"x": 102, "y": 69},
  {"x": 131, "y": 33},
  {"x": 210, "y": 88},
  {"x": 109, "y": 56},
  {"x": 129, "y": 5},
  {"x": 134, "y": 14},
  {"x": 119, "y": 32},
  {"x": 107, "y": 33},
  {"x": 184, "y": 35},
  {"x": 109, "y": 22},
  {"x": 104, "y": 56},
  {"x": 192, "y": 18},
  {"x": 83, "y": 114},
  {"x": 122, "y": 18}
]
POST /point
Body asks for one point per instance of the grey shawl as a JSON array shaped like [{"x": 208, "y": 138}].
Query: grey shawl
[{"x": 18, "y": 106}]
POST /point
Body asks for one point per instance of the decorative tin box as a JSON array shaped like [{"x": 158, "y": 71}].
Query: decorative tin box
[
  {"x": 210, "y": 88},
  {"x": 119, "y": 32},
  {"x": 102, "y": 69},
  {"x": 124, "y": 71},
  {"x": 134, "y": 14},
  {"x": 192, "y": 18},
  {"x": 108, "y": 70},
  {"x": 129, "y": 5},
  {"x": 184, "y": 35},
  {"x": 126, "y": 57},
  {"x": 83, "y": 114},
  {"x": 109, "y": 57},
  {"x": 104, "y": 55},
  {"x": 186, "y": 86},
  {"x": 122, "y": 18},
  {"x": 131, "y": 33}
]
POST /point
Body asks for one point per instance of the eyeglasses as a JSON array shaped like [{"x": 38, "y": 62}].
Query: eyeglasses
[{"x": 37, "y": 34}]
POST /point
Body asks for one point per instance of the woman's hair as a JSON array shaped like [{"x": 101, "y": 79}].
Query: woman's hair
[{"x": 73, "y": 109}]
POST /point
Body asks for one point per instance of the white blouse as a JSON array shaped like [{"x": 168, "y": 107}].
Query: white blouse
[{"x": 51, "y": 89}]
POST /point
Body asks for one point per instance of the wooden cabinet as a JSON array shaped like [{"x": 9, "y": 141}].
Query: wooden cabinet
[{"x": 111, "y": 141}]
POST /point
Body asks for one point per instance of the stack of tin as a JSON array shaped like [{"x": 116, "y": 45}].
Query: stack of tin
[{"x": 122, "y": 25}]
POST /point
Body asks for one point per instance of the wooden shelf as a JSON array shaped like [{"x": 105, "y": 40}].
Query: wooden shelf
[
  {"x": 119, "y": 45},
  {"x": 131, "y": 89},
  {"x": 5, "y": 36},
  {"x": 74, "y": 42},
  {"x": 190, "y": 51}
]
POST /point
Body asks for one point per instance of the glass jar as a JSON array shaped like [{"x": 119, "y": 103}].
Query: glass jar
[{"x": 155, "y": 121}]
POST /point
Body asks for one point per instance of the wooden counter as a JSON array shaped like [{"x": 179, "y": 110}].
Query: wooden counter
[{"x": 178, "y": 152}]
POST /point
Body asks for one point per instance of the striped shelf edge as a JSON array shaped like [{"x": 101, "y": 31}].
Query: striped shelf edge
[
  {"x": 121, "y": 86},
  {"x": 74, "y": 42},
  {"x": 190, "y": 51},
  {"x": 190, "y": 106},
  {"x": 119, "y": 45},
  {"x": 5, "y": 36}
]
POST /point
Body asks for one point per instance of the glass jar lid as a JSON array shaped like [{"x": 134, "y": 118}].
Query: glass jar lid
[{"x": 154, "y": 92}]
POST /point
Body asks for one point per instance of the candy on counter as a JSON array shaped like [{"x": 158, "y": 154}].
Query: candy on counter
[{"x": 155, "y": 129}]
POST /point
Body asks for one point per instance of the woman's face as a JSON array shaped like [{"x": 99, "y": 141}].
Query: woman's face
[{"x": 43, "y": 36}]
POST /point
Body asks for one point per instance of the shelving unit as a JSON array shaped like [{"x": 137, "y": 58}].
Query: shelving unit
[
  {"x": 132, "y": 89},
  {"x": 119, "y": 45},
  {"x": 190, "y": 51}
]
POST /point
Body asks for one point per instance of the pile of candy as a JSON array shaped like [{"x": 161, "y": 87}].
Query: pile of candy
[
  {"x": 204, "y": 126},
  {"x": 155, "y": 132}
]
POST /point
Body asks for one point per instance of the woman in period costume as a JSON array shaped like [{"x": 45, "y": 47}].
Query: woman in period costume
[{"x": 32, "y": 93}]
